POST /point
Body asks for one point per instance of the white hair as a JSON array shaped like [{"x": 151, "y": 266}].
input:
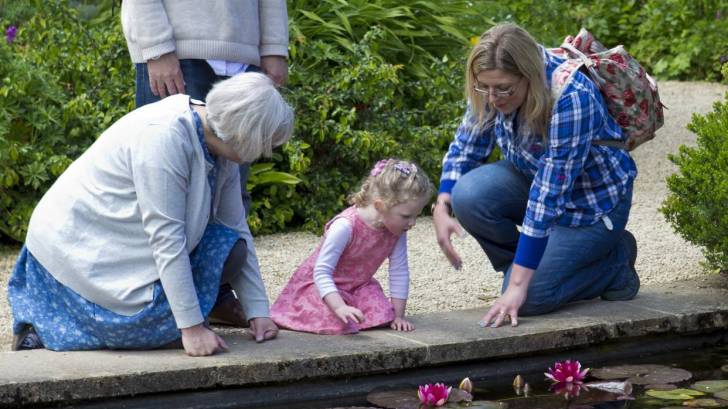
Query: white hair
[{"x": 247, "y": 112}]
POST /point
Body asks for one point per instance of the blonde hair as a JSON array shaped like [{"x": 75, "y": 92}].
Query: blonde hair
[
  {"x": 393, "y": 181},
  {"x": 247, "y": 112},
  {"x": 508, "y": 47}
]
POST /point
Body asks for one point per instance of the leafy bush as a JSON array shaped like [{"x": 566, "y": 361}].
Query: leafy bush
[
  {"x": 673, "y": 39},
  {"x": 357, "y": 111},
  {"x": 64, "y": 80},
  {"x": 368, "y": 80},
  {"x": 696, "y": 206}
]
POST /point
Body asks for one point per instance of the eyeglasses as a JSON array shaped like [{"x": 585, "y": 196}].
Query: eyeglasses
[{"x": 498, "y": 92}]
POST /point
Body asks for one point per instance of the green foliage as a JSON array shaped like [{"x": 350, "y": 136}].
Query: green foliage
[
  {"x": 352, "y": 109},
  {"x": 673, "y": 39},
  {"x": 368, "y": 79},
  {"x": 698, "y": 199},
  {"x": 414, "y": 33},
  {"x": 63, "y": 81}
]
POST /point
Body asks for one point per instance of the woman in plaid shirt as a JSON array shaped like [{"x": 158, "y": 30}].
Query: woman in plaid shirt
[{"x": 570, "y": 196}]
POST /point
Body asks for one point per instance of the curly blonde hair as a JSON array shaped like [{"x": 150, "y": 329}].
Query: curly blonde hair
[{"x": 393, "y": 181}]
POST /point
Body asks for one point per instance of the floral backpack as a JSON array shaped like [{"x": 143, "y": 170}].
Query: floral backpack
[{"x": 630, "y": 93}]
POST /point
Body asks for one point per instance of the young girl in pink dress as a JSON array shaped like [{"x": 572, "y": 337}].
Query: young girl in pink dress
[{"x": 334, "y": 291}]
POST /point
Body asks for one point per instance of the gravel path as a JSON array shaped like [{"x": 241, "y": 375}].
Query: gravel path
[{"x": 663, "y": 256}]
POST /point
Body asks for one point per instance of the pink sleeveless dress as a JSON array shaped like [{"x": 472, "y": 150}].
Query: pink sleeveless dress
[{"x": 301, "y": 308}]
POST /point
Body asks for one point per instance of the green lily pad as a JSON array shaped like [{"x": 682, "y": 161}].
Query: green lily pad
[
  {"x": 476, "y": 404},
  {"x": 724, "y": 368},
  {"x": 395, "y": 399},
  {"x": 407, "y": 399},
  {"x": 711, "y": 386},
  {"x": 661, "y": 386},
  {"x": 721, "y": 394},
  {"x": 675, "y": 394},
  {"x": 642, "y": 374},
  {"x": 706, "y": 403}
]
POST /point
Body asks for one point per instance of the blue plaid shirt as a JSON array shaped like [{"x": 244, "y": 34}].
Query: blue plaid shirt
[{"x": 575, "y": 183}]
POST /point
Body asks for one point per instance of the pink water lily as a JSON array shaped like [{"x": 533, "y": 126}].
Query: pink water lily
[
  {"x": 567, "y": 372},
  {"x": 434, "y": 395}
]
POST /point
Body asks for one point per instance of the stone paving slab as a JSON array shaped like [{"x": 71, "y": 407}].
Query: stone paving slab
[{"x": 46, "y": 377}]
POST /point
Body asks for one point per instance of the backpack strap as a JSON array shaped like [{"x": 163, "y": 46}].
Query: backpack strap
[
  {"x": 563, "y": 74},
  {"x": 613, "y": 144}
]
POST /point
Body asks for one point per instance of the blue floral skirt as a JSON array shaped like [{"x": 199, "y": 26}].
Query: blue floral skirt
[{"x": 65, "y": 321}]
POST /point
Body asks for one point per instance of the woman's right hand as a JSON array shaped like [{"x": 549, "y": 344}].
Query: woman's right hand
[
  {"x": 445, "y": 227},
  {"x": 199, "y": 340}
]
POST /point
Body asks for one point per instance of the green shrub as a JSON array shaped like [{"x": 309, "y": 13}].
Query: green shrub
[
  {"x": 368, "y": 79},
  {"x": 673, "y": 39},
  {"x": 698, "y": 199},
  {"x": 63, "y": 81},
  {"x": 355, "y": 111}
]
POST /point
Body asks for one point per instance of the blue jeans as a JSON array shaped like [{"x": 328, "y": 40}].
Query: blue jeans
[
  {"x": 579, "y": 263},
  {"x": 199, "y": 78}
]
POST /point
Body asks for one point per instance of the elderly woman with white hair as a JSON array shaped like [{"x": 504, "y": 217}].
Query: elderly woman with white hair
[{"x": 129, "y": 247}]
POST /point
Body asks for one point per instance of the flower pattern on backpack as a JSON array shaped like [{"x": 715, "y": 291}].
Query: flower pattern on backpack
[{"x": 630, "y": 93}]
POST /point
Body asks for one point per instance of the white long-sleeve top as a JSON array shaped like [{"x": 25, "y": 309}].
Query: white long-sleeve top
[
  {"x": 337, "y": 237},
  {"x": 129, "y": 211}
]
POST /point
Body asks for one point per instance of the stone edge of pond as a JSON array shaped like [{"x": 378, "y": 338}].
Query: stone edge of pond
[{"x": 46, "y": 377}]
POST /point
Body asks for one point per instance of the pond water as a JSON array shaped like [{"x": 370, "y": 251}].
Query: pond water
[{"x": 658, "y": 370}]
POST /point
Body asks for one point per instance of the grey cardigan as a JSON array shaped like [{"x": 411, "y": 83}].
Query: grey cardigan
[
  {"x": 130, "y": 210},
  {"x": 231, "y": 30}
]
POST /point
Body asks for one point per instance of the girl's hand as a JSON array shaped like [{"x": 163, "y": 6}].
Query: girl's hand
[
  {"x": 263, "y": 329},
  {"x": 347, "y": 312},
  {"x": 201, "y": 341},
  {"x": 401, "y": 324},
  {"x": 445, "y": 226}
]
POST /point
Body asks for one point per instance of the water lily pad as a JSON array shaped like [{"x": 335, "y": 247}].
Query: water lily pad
[
  {"x": 661, "y": 386},
  {"x": 407, "y": 399},
  {"x": 721, "y": 395},
  {"x": 675, "y": 394},
  {"x": 706, "y": 403},
  {"x": 621, "y": 388},
  {"x": 477, "y": 404},
  {"x": 642, "y": 374},
  {"x": 395, "y": 399},
  {"x": 724, "y": 368},
  {"x": 711, "y": 386}
]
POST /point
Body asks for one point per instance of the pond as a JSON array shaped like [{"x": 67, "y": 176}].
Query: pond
[{"x": 695, "y": 378}]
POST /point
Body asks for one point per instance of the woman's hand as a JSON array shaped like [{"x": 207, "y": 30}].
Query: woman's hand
[
  {"x": 263, "y": 329},
  {"x": 508, "y": 304},
  {"x": 401, "y": 324},
  {"x": 445, "y": 226},
  {"x": 201, "y": 341}
]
